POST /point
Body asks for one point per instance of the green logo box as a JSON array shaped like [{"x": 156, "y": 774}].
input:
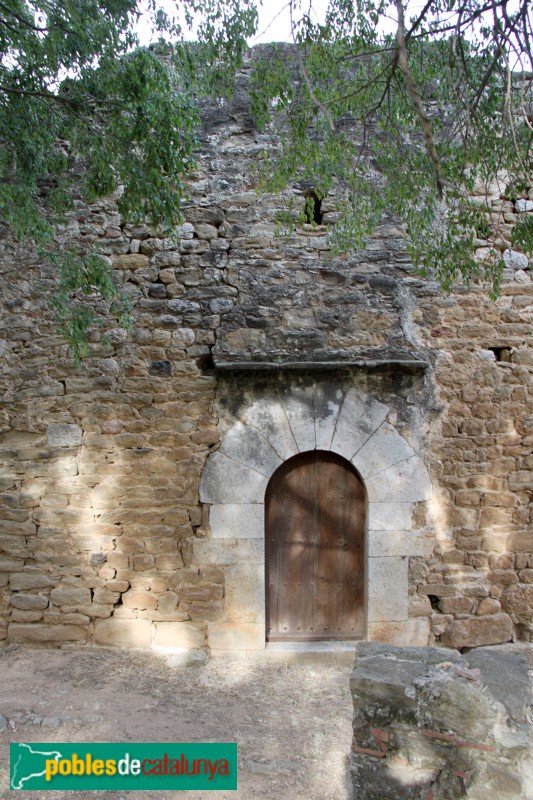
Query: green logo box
[{"x": 97, "y": 766}]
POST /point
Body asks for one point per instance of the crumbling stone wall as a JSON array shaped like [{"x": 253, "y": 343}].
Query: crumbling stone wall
[
  {"x": 101, "y": 464},
  {"x": 431, "y": 724}
]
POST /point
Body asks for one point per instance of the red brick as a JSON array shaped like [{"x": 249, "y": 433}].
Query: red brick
[
  {"x": 380, "y": 735},
  {"x": 475, "y": 746},
  {"x": 366, "y": 751}
]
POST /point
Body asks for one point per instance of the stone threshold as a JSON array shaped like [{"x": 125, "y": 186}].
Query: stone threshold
[{"x": 334, "y": 653}]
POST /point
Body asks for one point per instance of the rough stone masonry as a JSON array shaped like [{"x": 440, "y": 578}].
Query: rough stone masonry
[
  {"x": 432, "y": 724},
  {"x": 247, "y": 348}
]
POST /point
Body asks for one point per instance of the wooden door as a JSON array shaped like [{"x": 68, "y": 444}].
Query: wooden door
[{"x": 314, "y": 531}]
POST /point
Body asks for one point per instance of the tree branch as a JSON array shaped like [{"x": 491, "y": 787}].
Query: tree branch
[
  {"x": 22, "y": 19},
  {"x": 403, "y": 62}
]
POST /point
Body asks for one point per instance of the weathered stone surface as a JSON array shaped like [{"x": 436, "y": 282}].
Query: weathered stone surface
[
  {"x": 235, "y": 636},
  {"x": 229, "y": 551},
  {"x": 29, "y": 601},
  {"x": 411, "y": 631},
  {"x": 246, "y": 445},
  {"x": 37, "y": 633},
  {"x": 505, "y": 675},
  {"x": 268, "y": 417},
  {"x": 360, "y": 416},
  {"x": 237, "y": 521},
  {"x": 518, "y": 601},
  {"x": 70, "y": 596},
  {"x": 425, "y": 716},
  {"x": 29, "y": 580},
  {"x": 298, "y": 403},
  {"x": 139, "y": 600},
  {"x": 405, "y": 482},
  {"x": 226, "y": 481},
  {"x": 66, "y": 435},
  {"x": 244, "y": 593},
  {"x": 391, "y": 604},
  {"x": 494, "y": 629},
  {"x": 400, "y": 543},
  {"x": 179, "y": 635},
  {"x": 390, "y": 516},
  {"x": 133, "y": 261},
  {"x": 123, "y": 632},
  {"x": 327, "y": 403},
  {"x": 515, "y": 260},
  {"x": 384, "y": 449}
]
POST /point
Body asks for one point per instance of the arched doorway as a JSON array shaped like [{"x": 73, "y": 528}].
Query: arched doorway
[{"x": 314, "y": 549}]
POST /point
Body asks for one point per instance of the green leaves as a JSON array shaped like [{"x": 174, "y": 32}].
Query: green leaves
[
  {"x": 350, "y": 114},
  {"x": 79, "y": 100}
]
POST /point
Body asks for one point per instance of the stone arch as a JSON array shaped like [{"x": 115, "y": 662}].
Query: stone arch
[{"x": 272, "y": 429}]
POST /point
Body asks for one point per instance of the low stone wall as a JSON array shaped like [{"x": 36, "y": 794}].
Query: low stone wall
[{"x": 432, "y": 724}]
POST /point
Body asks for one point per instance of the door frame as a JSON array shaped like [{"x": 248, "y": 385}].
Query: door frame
[{"x": 266, "y": 428}]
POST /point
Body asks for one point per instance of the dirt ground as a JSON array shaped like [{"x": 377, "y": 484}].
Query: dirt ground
[{"x": 291, "y": 723}]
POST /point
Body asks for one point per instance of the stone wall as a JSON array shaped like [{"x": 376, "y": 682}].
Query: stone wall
[
  {"x": 101, "y": 520},
  {"x": 431, "y": 724}
]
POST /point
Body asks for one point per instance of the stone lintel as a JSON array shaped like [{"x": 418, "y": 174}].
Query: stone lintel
[{"x": 364, "y": 363}]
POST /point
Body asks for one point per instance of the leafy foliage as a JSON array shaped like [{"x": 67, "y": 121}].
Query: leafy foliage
[
  {"x": 79, "y": 97},
  {"x": 408, "y": 121}
]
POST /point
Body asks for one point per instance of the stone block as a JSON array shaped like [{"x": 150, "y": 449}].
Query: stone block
[
  {"x": 139, "y": 600},
  {"x": 506, "y": 676},
  {"x": 96, "y": 611},
  {"x": 384, "y": 449},
  {"x": 400, "y": 543},
  {"x": 298, "y": 402},
  {"x": 38, "y": 633},
  {"x": 143, "y": 562},
  {"x": 232, "y": 521},
  {"x": 64, "y": 435},
  {"x": 407, "y": 481},
  {"x": 360, "y": 416},
  {"x": 328, "y": 399},
  {"x": 267, "y": 416},
  {"x": 246, "y": 445},
  {"x": 27, "y": 602},
  {"x": 387, "y": 589},
  {"x": 413, "y": 632},
  {"x": 518, "y": 601},
  {"x": 244, "y": 593},
  {"x": 226, "y": 481},
  {"x": 478, "y": 631},
  {"x": 179, "y": 635},
  {"x": 131, "y": 261},
  {"x": 21, "y": 581},
  {"x": 123, "y": 632},
  {"x": 228, "y": 551},
  {"x": 390, "y": 516},
  {"x": 236, "y": 636},
  {"x": 70, "y": 596},
  {"x": 17, "y": 615},
  {"x": 456, "y": 605}
]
